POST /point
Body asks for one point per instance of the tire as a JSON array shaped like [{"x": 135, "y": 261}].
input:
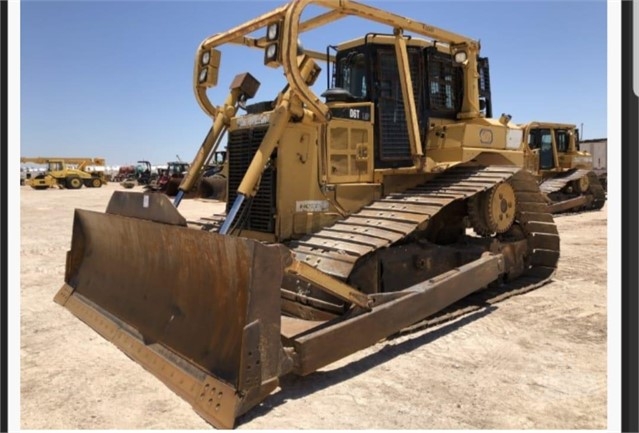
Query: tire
[
  {"x": 73, "y": 182},
  {"x": 96, "y": 183},
  {"x": 213, "y": 187},
  {"x": 172, "y": 186}
]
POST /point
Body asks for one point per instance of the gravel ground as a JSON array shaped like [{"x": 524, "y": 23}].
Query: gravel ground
[{"x": 534, "y": 361}]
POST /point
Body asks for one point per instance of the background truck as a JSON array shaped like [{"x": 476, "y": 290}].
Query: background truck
[{"x": 70, "y": 173}]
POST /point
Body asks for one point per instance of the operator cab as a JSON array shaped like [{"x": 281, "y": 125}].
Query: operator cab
[
  {"x": 55, "y": 166},
  {"x": 541, "y": 139},
  {"x": 551, "y": 144},
  {"x": 177, "y": 168},
  {"x": 366, "y": 71}
]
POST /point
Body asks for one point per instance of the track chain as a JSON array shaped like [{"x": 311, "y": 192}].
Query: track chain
[
  {"x": 556, "y": 184},
  {"x": 335, "y": 249},
  {"x": 597, "y": 190}
]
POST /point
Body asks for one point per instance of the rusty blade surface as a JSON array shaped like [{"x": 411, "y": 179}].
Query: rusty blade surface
[
  {"x": 208, "y": 298},
  {"x": 214, "y": 400}
]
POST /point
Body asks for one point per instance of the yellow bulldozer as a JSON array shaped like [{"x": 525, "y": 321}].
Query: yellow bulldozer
[
  {"x": 565, "y": 173},
  {"x": 351, "y": 215},
  {"x": 63, "y": 172}
]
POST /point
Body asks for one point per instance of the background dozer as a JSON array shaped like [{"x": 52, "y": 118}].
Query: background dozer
[
  {"x": 566, "y": 174},
  {"x": 70, "y": 173},
  {"x": 351, "y": 215}
]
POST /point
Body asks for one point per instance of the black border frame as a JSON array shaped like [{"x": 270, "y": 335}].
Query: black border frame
[
  {"x": 629, "y": 222},
  {"x": 630, "y": 218}
]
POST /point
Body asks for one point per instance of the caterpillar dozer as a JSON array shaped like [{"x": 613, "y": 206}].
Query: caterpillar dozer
[
  {"x": 566, "y": 173},
  {"x": 351, "y": 215}
]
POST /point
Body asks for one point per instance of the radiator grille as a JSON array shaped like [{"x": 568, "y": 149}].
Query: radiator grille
[{"x": 242, "y": 145}]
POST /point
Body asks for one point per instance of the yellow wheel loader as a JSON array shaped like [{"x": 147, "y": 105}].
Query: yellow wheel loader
[
  {"x": 565, "y": 173},
  {"x": 351, "y": 215}
]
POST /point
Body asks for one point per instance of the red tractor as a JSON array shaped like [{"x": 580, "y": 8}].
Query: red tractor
[{"x": 169, "y": 179}]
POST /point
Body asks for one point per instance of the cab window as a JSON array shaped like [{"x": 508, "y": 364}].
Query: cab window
[
  {"x": 352, "y": 74},
  {"x": 546, "y": 140},
  {"x": 534, "y": 139},
  {"x": 562, "y": 137}
]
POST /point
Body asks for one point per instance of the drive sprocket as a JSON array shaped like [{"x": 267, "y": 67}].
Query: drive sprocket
[{"x": 493, "y": 211}]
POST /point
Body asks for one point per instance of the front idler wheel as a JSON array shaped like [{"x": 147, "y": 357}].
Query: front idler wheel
[{"x": 581, "y": 185}]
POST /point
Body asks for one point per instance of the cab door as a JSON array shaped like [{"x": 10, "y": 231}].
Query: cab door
[
  {"x": 542, "y": 140},
  {"x": 546, "y": 151}
]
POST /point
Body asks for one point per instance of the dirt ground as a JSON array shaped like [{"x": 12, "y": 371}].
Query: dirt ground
[{"x": 534, "y": 361}]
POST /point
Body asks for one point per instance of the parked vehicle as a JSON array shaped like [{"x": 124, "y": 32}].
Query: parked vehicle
[{"x": 70, "y": 173}]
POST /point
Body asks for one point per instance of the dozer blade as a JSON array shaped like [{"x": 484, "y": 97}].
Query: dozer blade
[{"x": 199, "y": 310}]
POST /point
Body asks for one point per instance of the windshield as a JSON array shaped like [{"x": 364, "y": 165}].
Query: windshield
[{"x": 352, "y": 70}]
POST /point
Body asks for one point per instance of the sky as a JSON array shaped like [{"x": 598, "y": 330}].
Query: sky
[{"x": 113, "y": 79}]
